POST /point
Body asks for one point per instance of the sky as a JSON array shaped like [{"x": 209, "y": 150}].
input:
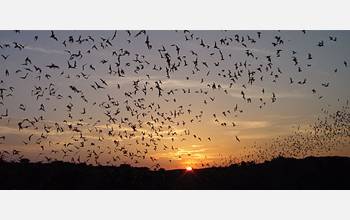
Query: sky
[{"x": 169, "y": 99}]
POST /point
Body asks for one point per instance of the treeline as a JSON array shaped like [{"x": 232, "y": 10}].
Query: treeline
[{"x": 322, "y": 173}]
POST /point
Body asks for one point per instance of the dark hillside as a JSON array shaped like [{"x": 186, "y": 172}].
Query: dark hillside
[{"x": 311, "y": 173}]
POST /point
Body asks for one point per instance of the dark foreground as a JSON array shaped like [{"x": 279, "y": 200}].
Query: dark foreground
[{"x": 283, "y": 173}]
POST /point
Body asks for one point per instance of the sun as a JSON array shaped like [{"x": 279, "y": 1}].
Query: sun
[{"x": 189, "y": 168}]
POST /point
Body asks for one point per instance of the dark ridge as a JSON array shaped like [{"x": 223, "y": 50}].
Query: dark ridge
[{"x": 311, "y": 173}]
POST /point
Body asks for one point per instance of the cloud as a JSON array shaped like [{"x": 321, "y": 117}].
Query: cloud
[
  {"x": 175, "y": 83},
  {"x": 292, "y": 94},
  {"x": 253, "y": 124},
  {"x": 43, "y": 50},
  {"x": 251, "y": 49},
  {"x": 233, "y": 46}
]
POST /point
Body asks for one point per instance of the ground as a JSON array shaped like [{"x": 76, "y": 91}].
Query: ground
[{"x": 321, "y": 173}]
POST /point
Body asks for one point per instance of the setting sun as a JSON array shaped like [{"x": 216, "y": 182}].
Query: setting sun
[{"x": 189, "y": 168}]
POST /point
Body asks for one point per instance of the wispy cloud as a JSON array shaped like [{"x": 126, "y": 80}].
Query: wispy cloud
[
  {"x": 251, "y": 49},
  {"x": 174, "y": 83},
  {"x": 43, "y": 50},
  {"x": 293, "y": 94},
  {"x": 195, "y": 45},
  {"x": 256, "y": 92},
  {"x": 254, "y": 124}
]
